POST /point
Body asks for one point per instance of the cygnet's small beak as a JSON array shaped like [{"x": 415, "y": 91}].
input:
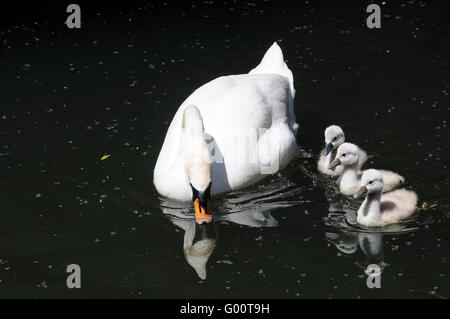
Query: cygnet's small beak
[
  {"x": 361, "y": 191},
  {"x": 328, "y": 148},
  {"x": 334, "y": 163}
]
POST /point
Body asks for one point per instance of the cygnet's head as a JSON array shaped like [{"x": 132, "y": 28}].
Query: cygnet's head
[
  {"x": 334, "y": 137},
  {"x": 347, "y": 155},
  {"x": 371, "y": 182}
]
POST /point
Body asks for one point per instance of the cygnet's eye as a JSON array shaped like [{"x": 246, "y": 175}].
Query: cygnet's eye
[
  {"x": 344, "y": 155},
  {"x": 334, "y": 139},
  {"x": 371, "y": 182}
]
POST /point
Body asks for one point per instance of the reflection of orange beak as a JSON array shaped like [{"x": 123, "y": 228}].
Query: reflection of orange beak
[{"x": 202, "y": 215}]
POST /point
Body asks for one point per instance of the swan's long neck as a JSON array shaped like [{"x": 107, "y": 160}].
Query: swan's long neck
[
  {"x": 349, "y": 177},
  {"x": 370, "y": 209},
  {"x": 197, "y": 161}
]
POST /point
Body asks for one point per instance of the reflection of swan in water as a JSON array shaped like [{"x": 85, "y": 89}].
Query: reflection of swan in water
[
  {"x": 251, "y": 208},
  {"x": 200, "y": 240},
  {"x": 199, "y": 243},
  {"x": 371, "y": 245}
]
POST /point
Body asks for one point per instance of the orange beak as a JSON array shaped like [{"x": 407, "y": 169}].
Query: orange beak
[{"x": 202, "y": 215}]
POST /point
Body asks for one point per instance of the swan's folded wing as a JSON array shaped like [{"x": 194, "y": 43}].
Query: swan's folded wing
[{"x": 398, "y": 205}]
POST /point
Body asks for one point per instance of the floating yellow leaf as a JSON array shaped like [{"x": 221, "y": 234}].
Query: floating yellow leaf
[{"x": 105, "y": 157}]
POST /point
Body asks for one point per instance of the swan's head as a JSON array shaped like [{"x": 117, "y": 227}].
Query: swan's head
[
  {"x": 334, "y": 137},
  {"x": 371, "y": 182},
  {"x": 197, "y": 162},
  {"x": 347, "y": 155}
]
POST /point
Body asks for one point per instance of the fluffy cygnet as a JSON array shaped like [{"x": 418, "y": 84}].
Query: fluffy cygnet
[
  {"x": 383, "y": 209},
  {"x": 334, "y": 137},
  {"x": 349, "y": 182}
]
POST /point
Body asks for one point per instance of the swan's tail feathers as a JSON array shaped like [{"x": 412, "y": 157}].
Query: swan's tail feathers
[{"x": 273, "y": 62}]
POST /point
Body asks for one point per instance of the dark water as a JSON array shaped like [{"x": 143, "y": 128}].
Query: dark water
[{"x": 68, "y": 97}]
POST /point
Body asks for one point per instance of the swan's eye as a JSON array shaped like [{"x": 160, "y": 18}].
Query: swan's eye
[
  {"x": 371, "y": 182},
  {"x": 344, "y": 155},
  {"x": 334, "y": 139}
]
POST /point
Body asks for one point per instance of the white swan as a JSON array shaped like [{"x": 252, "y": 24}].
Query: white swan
[
  {"x": 246, "y": 122},
  {"x": 383, "y": 209},
  {"x": 334, "y": 137},
  {"x": 349, "y": 182}
]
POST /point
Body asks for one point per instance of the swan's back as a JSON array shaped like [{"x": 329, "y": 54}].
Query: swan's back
[
  {"x": 397, "y": 205},
  {"x": 242, "y": 101}
]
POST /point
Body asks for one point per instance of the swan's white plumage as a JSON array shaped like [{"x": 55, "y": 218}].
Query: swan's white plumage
[
  {"x": 250, "y": 114},
  {"x": 273, "y": 63}
]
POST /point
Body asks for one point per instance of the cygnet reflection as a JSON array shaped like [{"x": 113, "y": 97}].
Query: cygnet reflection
[{"x": 371, "y": 244}]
